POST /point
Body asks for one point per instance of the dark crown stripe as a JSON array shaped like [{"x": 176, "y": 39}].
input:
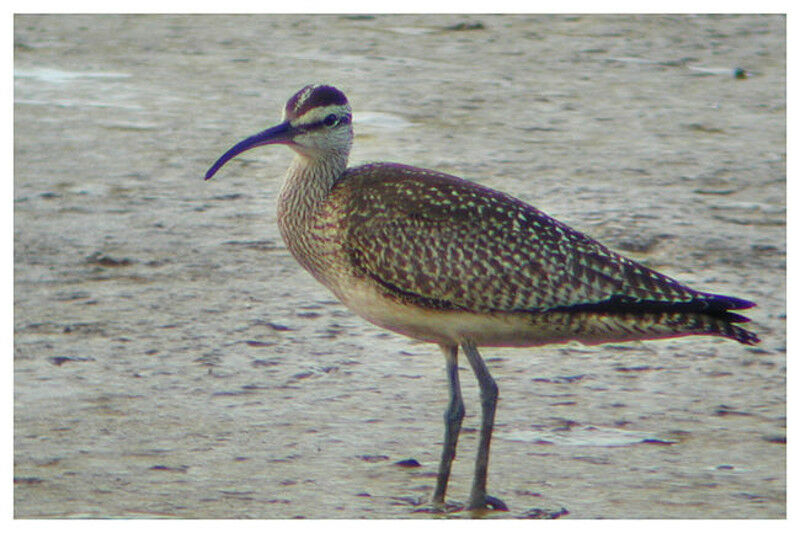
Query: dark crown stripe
[{"x": 312, "y": 96}]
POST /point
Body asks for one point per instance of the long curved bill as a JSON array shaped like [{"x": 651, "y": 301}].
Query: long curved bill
[{"x": 281, "y": 133}]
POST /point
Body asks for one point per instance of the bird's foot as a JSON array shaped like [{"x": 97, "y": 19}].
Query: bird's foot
[
  {"x": 495, "y": 504},
  {"x": 487, "y": 503},
  {"x": 439, "y": 507}
]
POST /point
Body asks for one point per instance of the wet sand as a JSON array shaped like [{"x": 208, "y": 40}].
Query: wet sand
[{"x": 171, "y": 359}]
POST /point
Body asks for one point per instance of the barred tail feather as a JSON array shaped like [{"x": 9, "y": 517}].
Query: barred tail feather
[
  {"x": 705, "y": 314},
  {"x": 722, "y": 325},
  {"x": 600, "y": 327},
  {"x": 744, "y": 336}
]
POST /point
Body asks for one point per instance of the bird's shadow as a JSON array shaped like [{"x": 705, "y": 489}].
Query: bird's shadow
[{"x": 453, "y": 509}]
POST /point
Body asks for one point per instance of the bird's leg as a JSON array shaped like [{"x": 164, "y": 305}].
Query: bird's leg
[
  {"x": 478, "y": 498},
  {"x": 452, "y": 424}
]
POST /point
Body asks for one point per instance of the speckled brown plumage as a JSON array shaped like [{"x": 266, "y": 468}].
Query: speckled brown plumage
[{"x": 440, "y": 241}]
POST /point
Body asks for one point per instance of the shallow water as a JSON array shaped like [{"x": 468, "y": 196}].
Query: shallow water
[{"x": 171, "y": 359}]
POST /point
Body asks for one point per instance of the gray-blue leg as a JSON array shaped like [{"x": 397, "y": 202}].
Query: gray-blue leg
[
  {"x": 452, "y": 424},
  {"x": 478, "y": 498}
]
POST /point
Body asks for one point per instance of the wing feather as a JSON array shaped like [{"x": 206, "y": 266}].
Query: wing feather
[{"x": 456, "y": 244}]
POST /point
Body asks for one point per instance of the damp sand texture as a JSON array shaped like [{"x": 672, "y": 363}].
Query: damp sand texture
[{"x": 171, "y": 358}]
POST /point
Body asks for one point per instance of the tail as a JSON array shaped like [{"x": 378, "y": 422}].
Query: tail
[
  {"x": 720, "y": 307},
  {"x": 721, "y": 325},
  {"x": 705, "y": 314},
  {"x": 710, "y": 314}
]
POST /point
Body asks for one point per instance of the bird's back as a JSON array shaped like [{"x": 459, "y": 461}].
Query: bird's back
[{"x": 438, "y": 242}]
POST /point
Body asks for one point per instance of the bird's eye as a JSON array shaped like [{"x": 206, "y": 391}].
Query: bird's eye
[{"x": 330, "y": 120}]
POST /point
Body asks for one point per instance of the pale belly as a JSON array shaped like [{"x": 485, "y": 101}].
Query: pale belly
[{"x": 486, "y": 329}]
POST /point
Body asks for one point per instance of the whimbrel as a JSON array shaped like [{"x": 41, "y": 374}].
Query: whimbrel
[{"x": 444, "y": 260}]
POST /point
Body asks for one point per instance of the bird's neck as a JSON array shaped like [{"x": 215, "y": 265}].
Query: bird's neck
[{"x": 306, "y": 185}]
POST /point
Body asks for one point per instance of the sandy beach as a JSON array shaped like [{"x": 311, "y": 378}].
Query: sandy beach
[{"x": 171, "y": 359}]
